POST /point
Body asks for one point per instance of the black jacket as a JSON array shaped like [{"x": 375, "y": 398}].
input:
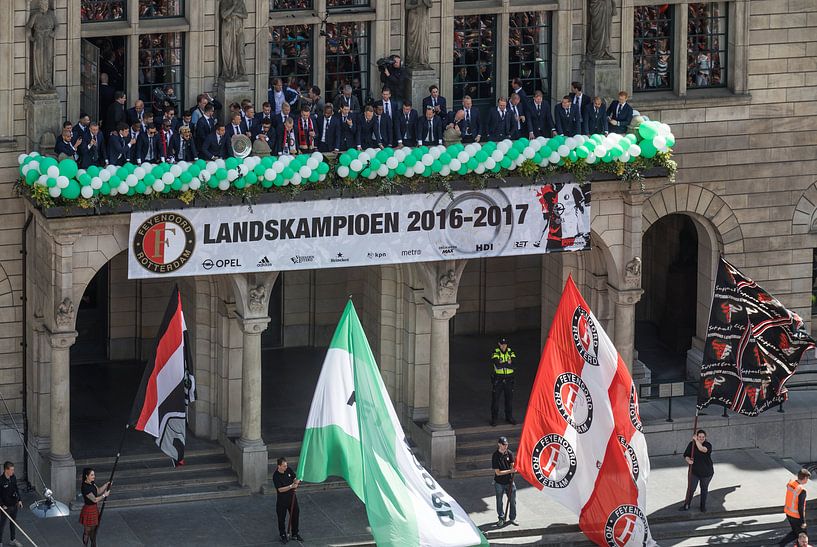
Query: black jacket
[{"x": 9, "y": 495}]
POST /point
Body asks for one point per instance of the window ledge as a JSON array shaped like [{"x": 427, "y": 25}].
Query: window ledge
[{"x": 696, "y": 98}]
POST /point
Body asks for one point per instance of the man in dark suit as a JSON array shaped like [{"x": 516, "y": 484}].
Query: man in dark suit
[
  {"x": 524, "y": 100},
  {"x": 265, "y": 132},
  {"x": 183, "y": 147},
  {"x": 316, "y": 104},
  {"x": 499, "y": 122},
  {"x": 120, "y": 144},
  {"x": 116, "y": 112},
  {"x": 216, "y": 145},
  {"x": 205, "y": 127},
  {"x": 405, "y": 126},
  {"x": 520, "y": 124},
  {"x": 149, "y": 147},
  {"x": 81, "y": 130},
  {"x": 305, "y": 131},
  {"x": 235, "y": 127},
  {"x": 435, "y": 101},
  {"x": 92, "y": 151},
  {"x": 106, "y": 93},
  {"x": 366, "y": 127},
  {"x": 248, "y": 120},
  {"x": 391, "y": 108},
  {"x": 567, "y": 117},
  {"x": 326, "y": 127},
  {"x": 382, "y": 127},
  {"x": 279, "y": 119},
  {"x": 467, "y": 120},
  {"x": 284, "y": 142},
  {"x": 349, "y": 129},
  {"x": 430, "y": 128},
  {"x": 595, "y": 118},
  {"x": 65, "y": 145},
  {"x": 541, "y": 122},
  {"x": 135, "y": 131},
  {"x": 578, "y": 98},
  {"x": 346, "y": 98},
  {"x": 265, "y": 114},
  {"x": 620, "y": 114},
  {"x": 136, "y": 112}
]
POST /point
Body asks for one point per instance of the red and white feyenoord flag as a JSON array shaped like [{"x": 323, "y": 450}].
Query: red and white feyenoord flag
[
  {"x": 582, "y": 441},
  {"x": 160, "y": 408}
]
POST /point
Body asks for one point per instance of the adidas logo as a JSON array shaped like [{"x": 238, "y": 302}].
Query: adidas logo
[{"x": 264, "y": 263}]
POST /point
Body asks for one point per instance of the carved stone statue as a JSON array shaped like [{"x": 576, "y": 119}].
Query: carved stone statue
[
  {"x": 632, "y": 272},
  {"x": 41, "y": 28},
  {"x": 417, "y": 32},
  {"x": 233, "y": 13},
  {"x": 65, "y": 313},
  {"x": 256, "y": 297},
  {"x": 448, "y": 284},
  {"x": 601, "y": 14}
]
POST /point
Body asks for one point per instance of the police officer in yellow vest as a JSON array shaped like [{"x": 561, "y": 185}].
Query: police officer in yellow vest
[
  {"x": 795, "y": 508},
  {"x": 502, "y": 380}
]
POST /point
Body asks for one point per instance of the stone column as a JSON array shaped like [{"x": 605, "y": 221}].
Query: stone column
[
  {"x": 63, "y": 470},
  {"x": 441, "y": 314},
  {"x": 251, "y": 382},
  {"x": 624, "y": 333}
]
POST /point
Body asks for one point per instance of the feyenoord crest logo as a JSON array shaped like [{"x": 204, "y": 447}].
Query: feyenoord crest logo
[
  {"x": 626, "y": 527},
  {"x": 635, "y": 416},
  {"x": 573, "y": 401},
  {"x": 585, "y": 336},
  {"x": 164, "y": 243},
  {"x": 631, "y": 456},
  {"x": 553, "y": 461}
]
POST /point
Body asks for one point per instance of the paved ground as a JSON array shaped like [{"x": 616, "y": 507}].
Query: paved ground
[{"x": 744, "y": 481}]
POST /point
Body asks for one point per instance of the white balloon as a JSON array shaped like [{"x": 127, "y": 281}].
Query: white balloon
[
  {"x": 383, "y": 170},
  {"x": 34, "y": 154},
  {"x": 111, "y": 169},
  {"x": 25, "y": 169},
  {"x": 167, "y": 178},
  {"x": 364, "y": 156},
  {"x": 304, "y": 172},
  {"x": 96, "y": 183},
  {"x": 269, "y": 174},
  {"x": 356, "y": 165},
  {"x": 372, "y": 175},
  {"x": 455, "y": 164},
  {"x": 183, "y": 165},
  {"x": 600, "y": 151},
  {"x": 205, "y": 175},
  {"x": 490, "y": 163},
  {"x": 591, "y": 158},
  {"x": 528, "y": 153},
  {"x": 54, "y": 191},
  {"x": 211, "y": 167},
  {"x": 409, "y": 172},
  {"x": 343, "y": 171},
  {"x": 480, "y": 169},
  {"x": 463, "y": 157},
  {"x": 624, "y": 157},
  {"x": 148, "y": 190},
  {"x": 132, "y": 180},
  {"x": 175, "y": 170},
  {"x": 278, "y": 166},
  {"x": 497, "y": 155},
  {"x": 87, "y": 192},
  {"x": 570, "y": 142},
  {"x": 53, "y": 172},
  {"x": 634, "y": 151},
  {"x": 223, "y": 185},
  {"x": 123, "y": 187},
  {"x": 317, "y": 155},
  {"x": 113, "y": 192},
  {"x": 392, "y": 163},
  {"x": 34, "y": 165},
  {"x": 286, "y": 160},
  {"x": 296, "y": 179},
  {"x": 158, "y": 185},
  {"x": 185, "y": 187},
  {"x": 664, "y": 130},
  {"x": 62, "y": 182},
  {"x": 563, "y": 150},
  {"x": 445, "y": 171},
  {"x": 659, "y": 142},
  {"x": 554, "y": 157},
  {"x": 435, "y": 151},
  {"x": 428, "y": 159},
  {"x": 195, "y": 184},
  {"x": 139, "y": 173},
  {"x": 220, "y": 163},
  {"x": 21, "y": 158},
  {"x": 312, "y": 163}
]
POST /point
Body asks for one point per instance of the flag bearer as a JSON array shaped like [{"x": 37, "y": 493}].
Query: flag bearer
[
  {"x": 795, "y": 507},
  {"x": 502, "y": 380},
  {"x": 91, "y": 496},
  {"x": 286, "y": 484}
]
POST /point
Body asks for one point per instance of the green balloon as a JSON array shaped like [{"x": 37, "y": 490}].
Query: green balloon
[
  {"x": 279, "y": 181},
  {"x": 323, "y": 168},
  {"x": 149, "y": 179},
  {"x": 266, "y": 183},
  {"x": 472, "y": 164},
  {"x": 647, "y": 130},
  {"x": 46, "y": 162},
  {"x": 114, "y": 181},
  {"x": 437, "y": 165},
  {"x": 506, "y": 163},
  {"x": 375, "y": 164},
  {"x": 131, "y": 191},
  {"x": 670, "y": 141},
  {"x": 365, "y": 173},
  {"x": 122, "y": 173},
  {"x": 573, "y": 156},
  {"x": 186, "y": 177},
  {"x": 513, "y": 153},
  {"x": 288, "y": 173},
  {"x": 314, "y": 176},
  {"x": 496, "y": 168},
  {"x": 353, "y": 154},
  {"x": 105, "y": 189},
  {"x": 267, "y": 162},
  {"x": 200, "y": 163},
  {"x": 481, "y": 156},
  {"x": 231, "y": 163},
  {"x": 167, "y": 188},
  {"x": 221, "y": 174},
  {"x": 32, "y": 176},
  {"x": 463, "y": 169},
  {"x": 648, "y": 149},
  {"x": 616, "y": 151},
  {"x": 259, "y": 170},
  {"x": 345, "y": 159},
  {"x": 68, "y": 168},
  {"x": 140, "y": 187},
  {"x": 353, "y": 175},
  {"x": 92, "y": 171},
  {"x": 240, "y": 183},
  {"x": 72, "y": 190},
  {"x": 212, "y": 182},
  {"x": 51, "y": 182},
  {"x": 251, "y": 178},
  {"x": 410, "y": 161},
  {"x": 581, "y": 152},
  {"x": 401, "y": 169},
  {"x": 84, "y": 179},
  {"x": 176, "y": 184},
  {"x": 445, "y": 158}
]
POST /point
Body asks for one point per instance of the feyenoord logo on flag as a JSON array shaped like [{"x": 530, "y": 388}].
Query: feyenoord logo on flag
[
  {"x": 585, "y": 336},
  {"x": 573, "y": 401},
  {"x": 164, "y": 243},
  {"x": 626, "y": 527},
  {"x": 554, "y": 461},
  {"x": 630, "y": 451},
  {"x": 635, "y": 416}
]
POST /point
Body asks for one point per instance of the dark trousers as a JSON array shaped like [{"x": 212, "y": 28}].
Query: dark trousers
[
  {"x": 281, "y": 508},
  {"x": 11, "y": 510},
  {"x": 502, "y": 386},
  {"x": 796, "y": 528},
  {"x": 693, "y": 485}
]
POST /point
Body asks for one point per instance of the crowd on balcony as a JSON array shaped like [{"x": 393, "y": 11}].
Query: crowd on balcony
[{"x": 290, "y": 123}]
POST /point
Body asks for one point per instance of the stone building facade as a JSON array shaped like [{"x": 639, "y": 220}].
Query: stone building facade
[{"x": 745, "y": 187}]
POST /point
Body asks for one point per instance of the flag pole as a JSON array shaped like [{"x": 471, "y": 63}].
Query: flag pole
[
  {"x": 113, "y": 472},
  {"x": 291, "y": 512},
  {"x": 688, "y": 495}
]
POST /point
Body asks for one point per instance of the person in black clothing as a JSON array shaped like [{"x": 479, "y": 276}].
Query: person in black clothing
[
  {"x": 795, "y": 507},
  {"x": 10, "y": 500},
  {"x": 504, "y": 465},
  {"x": 698, "y": 456},
  {"x": 91, "y": 495},
  {"x": 393, "y": 78},
  {"x": 286, "y": 484},
  {"x": 116, "y": 112}
]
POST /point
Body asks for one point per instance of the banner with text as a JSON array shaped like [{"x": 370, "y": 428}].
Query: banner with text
[{"x": 345, "y": 232}]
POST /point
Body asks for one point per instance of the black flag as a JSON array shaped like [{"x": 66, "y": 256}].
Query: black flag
[{"x": 753, "y": 345}]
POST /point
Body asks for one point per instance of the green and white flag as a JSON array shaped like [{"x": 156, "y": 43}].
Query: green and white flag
[{"x": 353, "y": 432}]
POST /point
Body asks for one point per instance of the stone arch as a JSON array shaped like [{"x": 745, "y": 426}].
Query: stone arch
[
  {"x": 804, "y": 218},
  {"x": 98, "y": 250}
]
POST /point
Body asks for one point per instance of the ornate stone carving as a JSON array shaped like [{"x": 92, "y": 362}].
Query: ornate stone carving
[
  {"x": 256, "y": 297},
  {"x": 448, "y": 284},
  {"x": 417, "y": 33},
  {"x": 41, "y": 28},
  {"x": 601, "y": 14},
  {"x": 233, "y": 13},
  {"x": 65, "y": 313},
  {"x": 632, "y": 272}
]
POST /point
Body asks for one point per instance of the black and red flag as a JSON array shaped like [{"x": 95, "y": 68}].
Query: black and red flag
[
  {"x": 753, "y": 346},
  {"x": 160, "y": 408}
]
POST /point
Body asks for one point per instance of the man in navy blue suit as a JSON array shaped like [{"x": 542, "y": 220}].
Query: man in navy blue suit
[
  {"x": 327, "y": 129},
  {"x": 500, "y": 122},
  {"x": 620, "y": 114},
  {"x": 92, "y": 151},
  {"x": 467, "y": 120},
  {"x": 520, "y": 125},
  {"x": 437, "y": 103},
  {"x": 235, "y": 127},
  {"x": 136, "y": 112},
  {"x": 405, "y": 126},
  {"x": 430, "y": 128},
  {"x": 516, "y": 87},
  {"x": 541, "y": 122},
  {"x": 349, "y": 129},
  {"x": 595, "y": 118},
  {"x": 66, "y": 145},
  {"x": 216, "y": 145},
  {"x": 578, "y": 98},
  {"x": 205, "y": 126},
  {"x": 568, "y": 118},
  {"x": 120, "y": 144}
]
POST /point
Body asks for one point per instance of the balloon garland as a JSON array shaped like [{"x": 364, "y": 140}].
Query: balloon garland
[{"x": 65, "y": 180}]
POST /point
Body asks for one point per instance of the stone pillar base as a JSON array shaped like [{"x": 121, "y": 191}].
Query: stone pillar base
[
  {"x": 62, "y": 477},
  {"x": 252, "y": 463},
  {"x": 232, "y": 92},
  {"x": 602, "y": 78},
  {"x": 44, "y": 115},
  {"x": 641, "y": 373},
  {"x": 438, "y": 448},
  {"x": 418, "y": 81}
]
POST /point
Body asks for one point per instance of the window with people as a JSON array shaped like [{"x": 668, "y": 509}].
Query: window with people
[
  {"x": 706, "y": 44},
  {"x": 475, "y": 58},
  {"x": 347, "y": 59},
  {"x": 102, "y": 10},
  {"x": 161, "y": 69},
  {"x": 529, "y": 50},
  {"x": 153, "y": 9},
  {"x": 291, "y": 55},
  {"x": 652, "y": 48}
]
